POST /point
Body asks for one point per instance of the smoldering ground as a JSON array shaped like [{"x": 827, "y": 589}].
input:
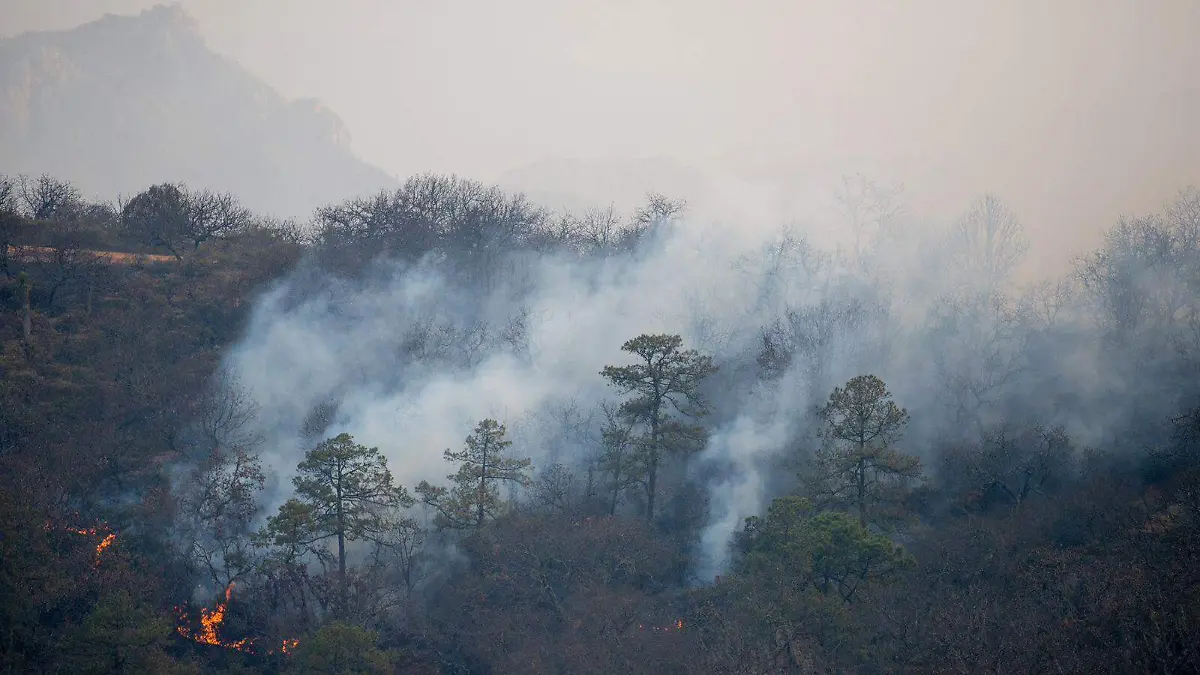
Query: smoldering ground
[{"x": 408, "y": 356}]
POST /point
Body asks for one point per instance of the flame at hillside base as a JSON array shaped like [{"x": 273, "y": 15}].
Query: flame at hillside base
[{"x": 210, "y": 623}]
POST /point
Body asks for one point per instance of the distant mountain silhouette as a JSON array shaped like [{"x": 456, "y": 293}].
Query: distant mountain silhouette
[{"x": 128, "y": 101}]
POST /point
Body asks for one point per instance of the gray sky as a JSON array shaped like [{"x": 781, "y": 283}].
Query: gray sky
[{"x": 1073, "y": 110}]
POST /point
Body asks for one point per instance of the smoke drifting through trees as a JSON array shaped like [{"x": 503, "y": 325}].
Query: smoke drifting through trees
[
  {"x": 514, "y": 316},
  {"x": 1033, "y": 449}
]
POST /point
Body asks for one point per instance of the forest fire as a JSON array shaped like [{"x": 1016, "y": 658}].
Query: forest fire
[
  {"x": 105, "y": 543},
  {"x": 210, "y": 623},
  {"x": 109, "y": 537},
  {"x": 677, "y": 625}
]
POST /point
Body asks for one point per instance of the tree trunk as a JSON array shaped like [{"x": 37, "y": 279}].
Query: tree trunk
[
  {"x": 862, "y": 489},
  {"x": 479, "y": 515},
  {"x": 27, "y": 321},
  {"x": 616, "y": 494},
  {"x": 652, "y": 479},
  {"x": 343, "y": 593}
]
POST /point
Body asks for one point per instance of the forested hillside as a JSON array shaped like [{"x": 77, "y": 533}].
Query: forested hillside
[{"x": 221, "y": 440}]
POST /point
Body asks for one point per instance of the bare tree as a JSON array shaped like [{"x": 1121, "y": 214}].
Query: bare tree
[
  {"x": 48, "y": 198},
  {"x": 555, "y": 488},
  {"x": 600, "y": 228},
  {"x": 213, "y": 215},
  {"x": 807, "y": 337},
  {"x": 158, "y": 217},
  {"x": 70, "y": 259},
  {"x": 9, "y": 219},
  {"x": 1010, "y": 464},
  {"x": 8, "y": 194},
  {"x": 1144, "y": 278},
  {"x": 407, "y": 542},
  {"x": 870, "y": 208},
  {"x": 990, "y": 241},
  {"x": 979, "y": 344},
  {"x": 219, "y": 500},
  {"x": 219, "y": 495},
  {"x": 658, "y": 212},
  {"x": 225, "y": 415}
]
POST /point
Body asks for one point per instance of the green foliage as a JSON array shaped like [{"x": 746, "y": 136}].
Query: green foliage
[
  {"x": 348, "y": 486},
  {"x": 829, "y": 551},
  {"x": 294, "y": 528},
  {"x": 344, "y": 491},
  {"x": 802, "y": 579},
  {"x": 341, "y": 649},
  {"x": 474, "y": 497},
  {"x": 619, "y": 459},
  {"x": 856, "y": 467},
  {"x": 664, "y": 389},
  {"x": 121, "y": 635}
]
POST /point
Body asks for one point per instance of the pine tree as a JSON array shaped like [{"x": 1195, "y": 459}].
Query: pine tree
[
  {"x": 344, "y": 491},
  {"x": 474, "y": 497},
  {"x": 665, "y": 384},
  {"x": 857, "y": 468}
]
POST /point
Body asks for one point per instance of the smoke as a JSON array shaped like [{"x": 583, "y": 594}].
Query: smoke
[
  {"x": 740, "y": 448},
  {"x": 409, "y": 356}
]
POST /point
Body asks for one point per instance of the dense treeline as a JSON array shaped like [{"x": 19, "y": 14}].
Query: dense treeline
[{"x": 139, "y": 531}]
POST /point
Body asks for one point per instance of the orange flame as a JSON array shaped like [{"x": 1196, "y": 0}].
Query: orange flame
[
  {"x": 109, "y": 537},
  {"x": 105, "y": 543},
  {"x": 210, "y": 622}
]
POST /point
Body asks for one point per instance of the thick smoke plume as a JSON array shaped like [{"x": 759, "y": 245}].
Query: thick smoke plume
[{"x": 408, "y": 356}]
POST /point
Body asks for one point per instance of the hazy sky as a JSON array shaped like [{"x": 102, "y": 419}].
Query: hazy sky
[{"x": 1073, "y": 110}]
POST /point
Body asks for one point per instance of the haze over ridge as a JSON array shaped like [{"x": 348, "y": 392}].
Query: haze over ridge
[{"x": 1074, "y": 112}]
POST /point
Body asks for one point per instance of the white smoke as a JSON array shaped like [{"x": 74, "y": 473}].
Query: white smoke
[{"x": 414, "y": 359}]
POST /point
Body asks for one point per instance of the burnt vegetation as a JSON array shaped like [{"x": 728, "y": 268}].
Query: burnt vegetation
[{"x": 997, "y": 503}]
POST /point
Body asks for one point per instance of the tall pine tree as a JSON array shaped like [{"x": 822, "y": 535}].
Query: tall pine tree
[
  {"x": 664, "y": 385},
  {"x": 474, "y": 497},
  {"x": 345, "y": 491}
]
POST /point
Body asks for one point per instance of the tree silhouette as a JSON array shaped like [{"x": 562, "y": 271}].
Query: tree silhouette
[
  {"x": 856, "y": 467},
  {"x": 665, "y": 384},
  {"x": 475, "y": 495},
  {"x": 345, "y": 491}
]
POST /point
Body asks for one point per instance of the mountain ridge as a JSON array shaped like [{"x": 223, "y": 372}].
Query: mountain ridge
[{"x": 124, "y": 102}]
